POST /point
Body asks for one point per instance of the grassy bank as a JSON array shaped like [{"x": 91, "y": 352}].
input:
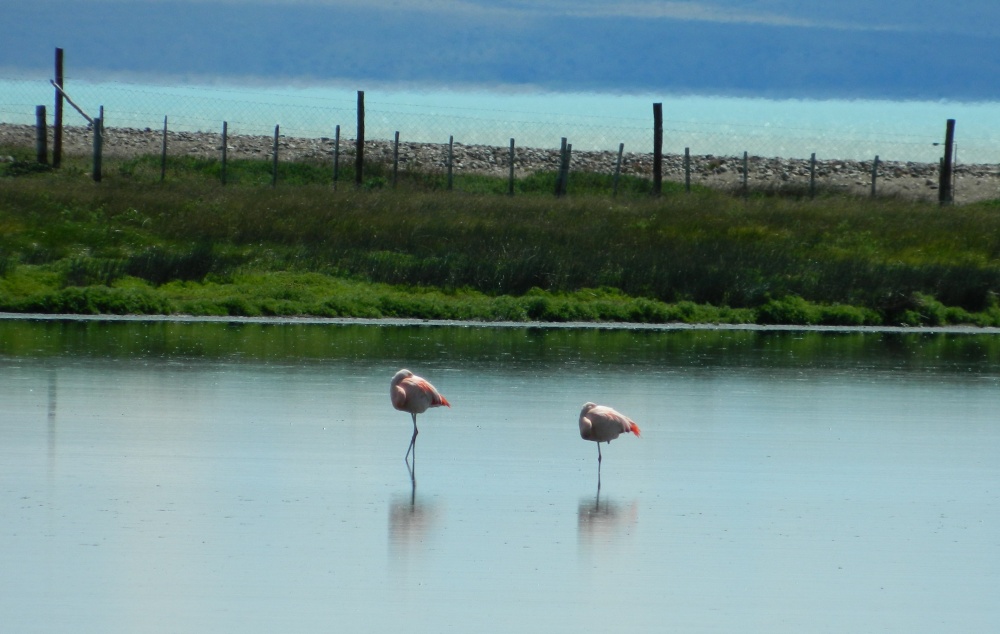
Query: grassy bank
[{"x": 131, "y": 244}]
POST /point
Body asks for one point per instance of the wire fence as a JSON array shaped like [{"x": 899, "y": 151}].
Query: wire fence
[{"x": 766, "y": 129}]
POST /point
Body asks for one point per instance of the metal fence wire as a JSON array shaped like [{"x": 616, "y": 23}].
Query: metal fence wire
[{"x": 310, "y": 116}]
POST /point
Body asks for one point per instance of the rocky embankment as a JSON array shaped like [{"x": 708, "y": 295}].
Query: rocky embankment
[{"x": 906, "y": 179}]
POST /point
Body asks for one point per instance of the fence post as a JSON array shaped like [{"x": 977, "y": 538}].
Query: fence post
[
  {"x": 57, "y": 122},
  {"x": 746, "y": 173},
  {"x": 945, "y": 196},
  {"x": 163, "y": 154},
  {"x": 618, "y": 168},
  {"x": 274, "y": 160},
  {"x": 510, "y": 180},
  {"x": 359, "y": 154},
  {"x": 225, "y": 149},
  {"x": 98, "y": 149},
  {"x": 687, "y": 170},
  {"x": 874, "y": 175},
  {"x": 564, "y": 177},
  {"x": 395, "y": 159},
  {"x": 41, "y": 136},
  {"x": 657, "y": 149},
  {"x": 812, "y": 175},
  {"x": 336, "y": 156},
  {"x": 451, "y": 159},
  {"x": 562, "y": 157}
]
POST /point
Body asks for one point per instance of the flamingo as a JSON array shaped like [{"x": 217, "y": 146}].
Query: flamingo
[
  {"x": 603, "y": 424},
  {"x": 414, "y": 394}
]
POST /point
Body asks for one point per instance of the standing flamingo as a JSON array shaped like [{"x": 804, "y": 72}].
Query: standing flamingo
[
  {"x": 414, "y": 394},
  {"x": 604, "y": 424}
]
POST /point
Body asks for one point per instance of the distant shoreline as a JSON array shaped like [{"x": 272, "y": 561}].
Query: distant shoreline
[
  {"x": 911, "y": 180},
  {"x": 609, "y": 325}
]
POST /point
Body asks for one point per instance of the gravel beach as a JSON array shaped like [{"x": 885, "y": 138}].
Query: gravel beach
[{"x": 918, "y": 181}]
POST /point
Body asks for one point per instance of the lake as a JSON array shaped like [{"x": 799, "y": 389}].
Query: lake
[
  {"x": 247, "y": 476},
  {"x": 855, "y": 129}
]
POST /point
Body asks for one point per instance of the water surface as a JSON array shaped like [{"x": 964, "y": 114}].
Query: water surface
[{"x": 163, "y": 476}]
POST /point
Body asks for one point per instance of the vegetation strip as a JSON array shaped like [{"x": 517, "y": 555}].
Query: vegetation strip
[{"x": 134, "y": 245}]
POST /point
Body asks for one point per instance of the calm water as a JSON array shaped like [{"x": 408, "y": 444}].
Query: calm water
[
  {"x": 728, "y": 126},
  {"x": 210, "y": 477}
]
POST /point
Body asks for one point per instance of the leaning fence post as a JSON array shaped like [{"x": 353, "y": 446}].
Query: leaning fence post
[
  {"x": 451, "y": 159},
  {"x": 510, "y": 180},
  {"x": 225, "y": 148},
  {"x": 41, "y": 136},
  {"x": 812, "y": 175},
  {"x": 98, "y": 149},
  {"x": 657, "y": 149},
  {"x": 874, "y": 174},
  {"x": 395, "y": 159},
  {"x": 163, "y": 153},
  {"x": 618, "y": 169},
  {"x": 336, "y": 156},
  {"x": 274, "y": 160}
]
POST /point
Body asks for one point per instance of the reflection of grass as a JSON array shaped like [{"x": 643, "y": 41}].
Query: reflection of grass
[{"x": 133, "y": 244}]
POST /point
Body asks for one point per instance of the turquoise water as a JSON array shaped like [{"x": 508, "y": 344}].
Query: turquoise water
[{"x": 846, "y": 129}]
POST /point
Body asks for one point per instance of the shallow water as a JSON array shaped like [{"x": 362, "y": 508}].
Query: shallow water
[{"x": 164, "y": 477}]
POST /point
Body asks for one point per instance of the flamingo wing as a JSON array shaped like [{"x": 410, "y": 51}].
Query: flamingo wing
[
  {"x": 610, "y": 423},
  {"x": 414, "y": 394},
  {"x": 426, "y": 391}
]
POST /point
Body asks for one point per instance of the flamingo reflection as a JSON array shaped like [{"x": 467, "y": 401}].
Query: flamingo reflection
[
  {"x": 604, "y": 521},
  {"x": 410, "y": 521}
]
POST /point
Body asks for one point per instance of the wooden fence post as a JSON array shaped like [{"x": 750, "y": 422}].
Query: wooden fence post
[
  {"x": 874, "y": 175},
  {"x": 945, "y": 195},
  {"x": 618, "y": 169},
  {"x": 98, "y": 149},
  {"x": 57, "y": 122},
  {"x": 562, "y": 158},
  {"x": 395, "y": 159},
  {"x": 359, "y": 155},
  {"x": 510, "y": 180},
  {"x": 225, "y": 149},
  {"x": 451, "y": 159},
  {"x": 163, "y": 155},
  {"x": 564, "y": 176},
  {"x": 41, "y": 136},
  {"x": 657, "y": 149},
  {"x": 812, "y": 175},
  {"x": 274, "y": 160},
  {"x": 687, "y": 170},
  {"x": 746, "y": 173},
  {"x": 336, "y": 156}
]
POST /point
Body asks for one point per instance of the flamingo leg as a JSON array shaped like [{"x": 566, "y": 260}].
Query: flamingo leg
[
  {"x": 598, "y": 468},
  {"x": 413, "y": 442}
]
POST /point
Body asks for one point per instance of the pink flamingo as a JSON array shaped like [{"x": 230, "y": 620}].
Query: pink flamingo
[
  {"x": 414, "y": 394},
  {"x": 604, "y": 424}
]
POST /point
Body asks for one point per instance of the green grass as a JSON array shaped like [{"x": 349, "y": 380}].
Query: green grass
[{"x": 133, "y": 244}]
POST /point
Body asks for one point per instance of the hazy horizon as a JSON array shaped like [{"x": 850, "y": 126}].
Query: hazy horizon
[{"x": 751, "y": 48}]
